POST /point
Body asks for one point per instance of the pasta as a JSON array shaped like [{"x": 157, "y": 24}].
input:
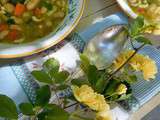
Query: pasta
[{"x": 24, "y": 21}]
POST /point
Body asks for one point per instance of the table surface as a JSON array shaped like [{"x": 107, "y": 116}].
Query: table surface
[{"x": 98, "y": 9}]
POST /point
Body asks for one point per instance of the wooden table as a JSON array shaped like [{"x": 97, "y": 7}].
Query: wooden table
[{"x": 98, "y": 9}]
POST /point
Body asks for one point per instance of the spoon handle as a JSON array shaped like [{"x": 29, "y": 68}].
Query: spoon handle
[{"x": 115, "y": 19}]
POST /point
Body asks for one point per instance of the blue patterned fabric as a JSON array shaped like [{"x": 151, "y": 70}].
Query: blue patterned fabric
[
  {"x": 25, "y": 79},
  {"x": 142, "y": 91},
  {"x": 145, "y": 90}
]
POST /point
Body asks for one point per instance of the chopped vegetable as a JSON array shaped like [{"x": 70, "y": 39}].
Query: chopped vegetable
[
  {"x": 37, "y": 11},
  {"x": 32, "y": 4},
  {"x": 28, "y": 20},
  {"x": 47, "y": 5},
  {"x": 3, "y": 27},
  {"x": 3, "y": 34},
  {"x": 13, "y": 35},
  {"x": 10, "y": 21},
  {"x": 17, "y": 1},
  {"x": 19, "y": 10}
]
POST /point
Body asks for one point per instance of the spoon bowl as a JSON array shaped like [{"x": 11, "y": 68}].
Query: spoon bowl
[{"x": 104, "y": 47}]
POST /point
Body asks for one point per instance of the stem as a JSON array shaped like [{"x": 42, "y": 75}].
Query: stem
[
  {"x": 71, "y": 105},
  {"x": 132, "y": 44},
  {"x": 110, "y": 95}
]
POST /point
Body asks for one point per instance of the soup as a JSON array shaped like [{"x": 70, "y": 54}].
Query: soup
[
  {"x": 150, "y": 9},
  {"x": 24, "y": 21}
]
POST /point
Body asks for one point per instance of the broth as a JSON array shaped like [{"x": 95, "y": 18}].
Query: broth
[{"x": 24, "y": 21}]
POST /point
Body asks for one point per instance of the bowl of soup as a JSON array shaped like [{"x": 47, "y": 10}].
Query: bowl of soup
[
  {"x": 31, "y": 26},
  {"x": 150, "y": 9}
]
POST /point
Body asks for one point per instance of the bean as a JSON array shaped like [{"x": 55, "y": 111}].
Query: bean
[
  {"x": 19, "y": 40},
  {"x": 60, "y": 3},
  {"x": 49, "y": 23},
  {"x": 3, "y": 34},
  {"x": 9, "y": 7},
  {"x": 16, "y": 27},
  {"x": 17, "y": 20},
  {"x": 59, "y": 14},
  {"x": 43, "y": 10},
  {"x": 34, "y": 18},
  {"x": 3, "y": 1},
  {"x": 32, "y": 4},
  {"x": 53, "y": 1}
]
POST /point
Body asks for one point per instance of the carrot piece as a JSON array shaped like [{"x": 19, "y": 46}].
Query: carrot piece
[
  {"x": 19, "y": 9},
  {"x": 3, "y": 27},
  {"x": 141, "y": 10},
  {"x": 13, "y": 35}
]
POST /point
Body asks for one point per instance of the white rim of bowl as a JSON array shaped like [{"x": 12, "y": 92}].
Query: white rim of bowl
[
  {"x": 61, "y": 38},
  {"x": 126, "y": 8}
]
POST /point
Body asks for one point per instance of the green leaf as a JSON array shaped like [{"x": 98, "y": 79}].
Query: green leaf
[
  {"x": 60, "y": 77},
  {"x": 42, "y": 115},
  {"x": 71, "y": 97},
  {"x": 79, "y": 82},
  {"x": 84, "y": 63},
  {"x": 42, "y": 76},
  {"x": 124, "y": 97},
  {"x": 51, "y": 65},
  {"x": 131, "y": 79},
  {"x": 26, "y": 108},
  {"x": 136, "y": 26},
  {"x": 82, "y": 115},
  {"x": 111, "y": 87},
  {"x": 144, "y": 40},
  {"x": 53, "y": 112},
  {"x": 93, "y": 75},
  {"x": 113, "y": 97},
  {"x": 43, "y": 96},
  {"x": 8, "y": 108},
  {"x": 62, "y": 87},
  {"x": 66, "y": 101},
  {"x": 101, "y": 84}
]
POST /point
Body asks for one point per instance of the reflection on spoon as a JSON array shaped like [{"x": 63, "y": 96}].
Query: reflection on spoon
[{"x": 105, "y": 46}]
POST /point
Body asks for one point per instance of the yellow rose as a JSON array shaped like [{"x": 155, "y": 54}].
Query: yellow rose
[
  {"x": 99, "y": 103},
  {"x": 136, "y": 62},
  {"x": 149, "y": 69},
  {"x": 146, "y": 65},
  {"x": 104, "y": 115},
  {"x": 139, "y": 63},
  {"x": 83, "y": 94},
  {"x": 122, "y": 89},
  {"x": 87, "y": 96}
]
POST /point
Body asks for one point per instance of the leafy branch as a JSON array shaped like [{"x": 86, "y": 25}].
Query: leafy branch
[
  {"x": 101, "y": 83},
  {"x": 54, "y": 80},
  {"x": 135, "y": 33},
  {"x": 135, "y": 52}
]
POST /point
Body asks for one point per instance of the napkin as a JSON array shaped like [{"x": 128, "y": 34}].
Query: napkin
[{"x": 144, "y": 90}]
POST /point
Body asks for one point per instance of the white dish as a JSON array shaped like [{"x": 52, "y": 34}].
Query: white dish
[{"x": 75, "y": 11}]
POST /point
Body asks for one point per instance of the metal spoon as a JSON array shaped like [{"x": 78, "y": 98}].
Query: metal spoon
[{"x": 103, "y": 48}]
